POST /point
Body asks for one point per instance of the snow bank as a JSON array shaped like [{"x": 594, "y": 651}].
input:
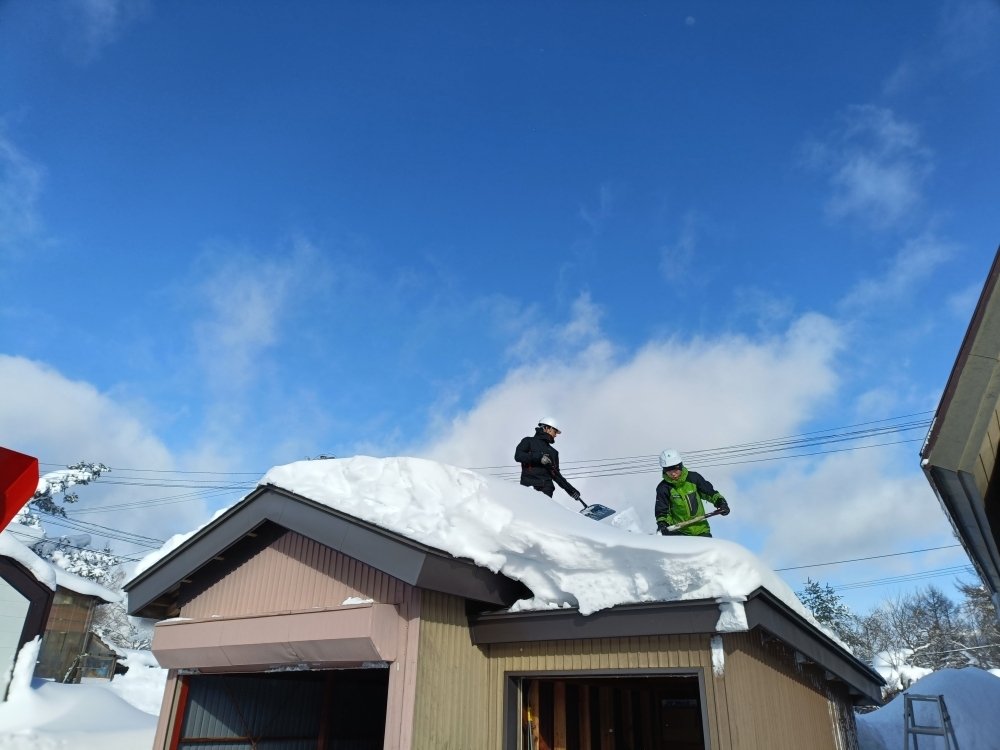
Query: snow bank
[
  {"x": 143, "y": 684},
  {"x": 49, "y": 574},
  {"x": 971, "y": 696},
  {"x": 83, "y": 717},
  {"x": 171, "y": 544},
  {"x": 566, "y": 560}
]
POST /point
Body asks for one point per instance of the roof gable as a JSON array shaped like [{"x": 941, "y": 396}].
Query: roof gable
[{"x": 154, "y": 593}]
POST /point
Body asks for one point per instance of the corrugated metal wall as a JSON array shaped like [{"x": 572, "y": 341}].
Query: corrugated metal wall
[
  {"x": 775, "y": 704},
  {"x": 764, "y": 701},
  {"x": 453, "y": 695},
  {"x": 293, "y": 573}
]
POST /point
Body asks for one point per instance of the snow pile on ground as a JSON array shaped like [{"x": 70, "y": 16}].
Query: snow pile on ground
[
  {"x": 44, "y": 715},
  {"x": 566, "y": 560},
  {"x": 49, "y": 574},
  {"x": 143, "y": 684},
  {"x": 898, "y": 675},
  {"x": 971, "y": 696}
]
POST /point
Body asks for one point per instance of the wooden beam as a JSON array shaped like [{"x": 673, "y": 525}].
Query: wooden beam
[
  {"x": 607, "y": 719},
  {"x": 559, "y": 716},
  {"x": 627, "y": 721},
  {"x": 584, "y": 717},
  {"x": 647, "y": 720},
  {"x": 533, "y": 704}
]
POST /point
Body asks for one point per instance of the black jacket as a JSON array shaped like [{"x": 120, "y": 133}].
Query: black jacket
[{"x": 534, "y": 473}]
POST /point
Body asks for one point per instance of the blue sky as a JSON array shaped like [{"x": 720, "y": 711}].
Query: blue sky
[{"x": 235, "y": 235}]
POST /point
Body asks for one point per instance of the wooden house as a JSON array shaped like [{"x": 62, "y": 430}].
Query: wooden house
[{"x": 285, "y": 620}]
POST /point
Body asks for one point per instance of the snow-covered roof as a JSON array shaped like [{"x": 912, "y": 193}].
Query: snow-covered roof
[
  {"x": 566, "y": 560},
  {"x": 49, "y": 574}
]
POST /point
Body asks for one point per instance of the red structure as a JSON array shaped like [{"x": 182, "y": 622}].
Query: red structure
[{"x": 18, "y": 482}]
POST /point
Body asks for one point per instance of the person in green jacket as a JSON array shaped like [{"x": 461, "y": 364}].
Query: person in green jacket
[{"x": 681, "y": 495}]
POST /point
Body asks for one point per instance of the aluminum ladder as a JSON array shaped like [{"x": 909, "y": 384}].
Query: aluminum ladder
[{"x": 912, "y": 729}]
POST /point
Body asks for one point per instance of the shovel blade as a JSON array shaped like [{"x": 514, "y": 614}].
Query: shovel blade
[{"x": 597, "y": 512}]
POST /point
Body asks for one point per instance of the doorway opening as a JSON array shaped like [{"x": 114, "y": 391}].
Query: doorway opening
[
  {"x": 340, "y": 709},
  {"x": 662, "y": 712}
]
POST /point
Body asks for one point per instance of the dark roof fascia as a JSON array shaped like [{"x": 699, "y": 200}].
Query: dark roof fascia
[
  {"x": 402, "y": 558},
  {"x": 654, "y": 618},
  {"x": 763, "y": 610},
  {"x": 965, "y": 508},
  {"x": 766, "y": 611},
  {"x": 968, "y": 342},
  {"x": 39, "y": 598}
]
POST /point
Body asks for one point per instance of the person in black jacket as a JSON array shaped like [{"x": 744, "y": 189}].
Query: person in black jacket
[{"x": 540, "y": 461}]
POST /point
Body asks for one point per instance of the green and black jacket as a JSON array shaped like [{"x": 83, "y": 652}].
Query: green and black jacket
[{"x": 682, "y": 499}]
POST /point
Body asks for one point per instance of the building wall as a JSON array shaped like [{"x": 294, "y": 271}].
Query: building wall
[
  {"x": 13, "y": 614},
  {"x": 65, "y": 633},
  {"x": 294, "y": 573},
  {"x": 775, "y": 703},
  {"x": 986, "y": 459},
  {"x": 453, "y": 695},
  {"x": 763, "y": 701}
]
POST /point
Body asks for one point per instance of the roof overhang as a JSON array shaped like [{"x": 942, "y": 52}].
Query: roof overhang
[
  {"x": 151, "y": 593},
  {"x": 763, "y": 610},
  {"x": 960, "y": 454}
]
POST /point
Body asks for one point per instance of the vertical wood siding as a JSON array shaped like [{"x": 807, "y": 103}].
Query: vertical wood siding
[
  {"x": 293, "y": 573},
  {"x": 453, "y": 696},
  {"x": 775, "y": 704},
  {"x": 986, "y": 460}
]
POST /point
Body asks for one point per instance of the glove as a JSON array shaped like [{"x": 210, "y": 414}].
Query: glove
[
  {"x": 575, "y": 494},
  {"x": 661, "y": 528},
  {"x": 546, "y": 460},
  {"x": 722, "y": 505}
]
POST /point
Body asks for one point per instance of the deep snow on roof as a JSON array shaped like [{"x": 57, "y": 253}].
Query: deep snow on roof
[
  {"x": 49, "y": 574},
  {"x": 566, "y": 560}
]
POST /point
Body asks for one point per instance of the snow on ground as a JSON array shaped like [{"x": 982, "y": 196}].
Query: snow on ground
[
  {"x": 971, "y": 696},
  {"x": 45, "y": 715},
  {"x": 566, "y": 560},
  {"x": 143, "y": 684}
]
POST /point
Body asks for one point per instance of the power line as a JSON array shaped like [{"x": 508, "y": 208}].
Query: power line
[
  {"x": 906, "y": 578},
  {"x": 873, "y": 557}
]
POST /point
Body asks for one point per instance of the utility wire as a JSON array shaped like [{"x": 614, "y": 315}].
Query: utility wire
[{"x": 873, "y": 557}]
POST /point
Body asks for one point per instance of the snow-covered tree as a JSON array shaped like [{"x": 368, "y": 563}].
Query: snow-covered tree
[
  {"x": 72, "y": 553},
  {"x": 827, "y": 607},
  {"x": 59, "y": 482}
]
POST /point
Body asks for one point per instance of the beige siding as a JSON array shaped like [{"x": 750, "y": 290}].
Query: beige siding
[
  {"x": 764, "y": 701},
  {"x": 775, "y": 704},
  {"x": 453, "y": 689},
  {"x": 983, "y": 469},
  {"x": 294, "y": 573}
]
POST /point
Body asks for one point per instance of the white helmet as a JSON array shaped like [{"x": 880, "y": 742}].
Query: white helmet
[
  {"x": 549, "y": 422},
  {"x": 669, "y": 458}
]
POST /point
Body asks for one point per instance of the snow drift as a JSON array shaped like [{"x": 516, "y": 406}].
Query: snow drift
[
  {"x": 971, "y": 696},
  {"x": 50, "y": 574},
  {"x": 565, "y": 559}
]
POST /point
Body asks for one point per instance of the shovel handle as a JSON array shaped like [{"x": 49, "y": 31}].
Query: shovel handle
[{"x": 690, "y": 521}]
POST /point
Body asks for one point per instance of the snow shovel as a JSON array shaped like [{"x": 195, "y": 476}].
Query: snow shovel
[
  {"x": 596, "y": 511},
  {"x": 690, "y": 521}
]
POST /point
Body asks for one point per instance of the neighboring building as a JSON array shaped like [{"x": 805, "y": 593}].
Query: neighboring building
[
  {"x": 960, "y": 454},
  {"x": 287, "y": 620},
  {"x": 38, "y": 598}
]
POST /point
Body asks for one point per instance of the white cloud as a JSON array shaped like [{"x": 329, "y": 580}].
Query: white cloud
[
  {"x": 846, "y": 505},
  {"x": 690, "y": 21},
  {"x": 688, "y": 394},
  {"x": 98, "y": 23},
  {"x": 876, "y": 165},
  {"x": 20, "y": 187},
  {"x": 962, "y": 304},
  {"x": 675, "y": 258},
  {"x": 966, "y": 41},
  {"x": 45, "y": 414},
  {"x": 244, "y": 298},
  {"x": 913, "y": 264}
]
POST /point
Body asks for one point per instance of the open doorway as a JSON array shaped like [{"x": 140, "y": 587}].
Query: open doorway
[
  {"x": 324, "y": 710},
  {"x": 662, "y": 712}
]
